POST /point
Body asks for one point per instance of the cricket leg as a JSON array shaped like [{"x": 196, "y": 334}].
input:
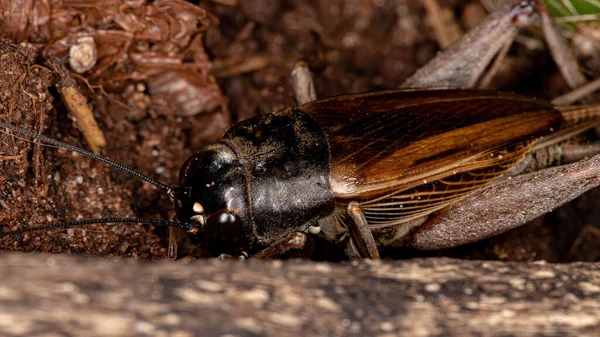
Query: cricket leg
[
  {"x": 361, "y": 239},
  {"x": 291, "y": 243},
  {"x": 464, "y": 62},
  {"x": 302, "y": 83},
  {"x": 554, "y": 155},
  {"x": 506, "y": 205},
  {"x": 575, "y": 152}
]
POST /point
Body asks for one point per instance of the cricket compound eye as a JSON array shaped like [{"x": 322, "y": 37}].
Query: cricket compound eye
[{"x": 223, "y": 226}]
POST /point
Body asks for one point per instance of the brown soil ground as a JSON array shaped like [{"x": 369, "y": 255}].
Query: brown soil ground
[{"x": 351, "y": 46}]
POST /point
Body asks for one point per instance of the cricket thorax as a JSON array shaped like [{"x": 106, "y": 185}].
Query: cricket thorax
[{"x": 284, "y": 161}]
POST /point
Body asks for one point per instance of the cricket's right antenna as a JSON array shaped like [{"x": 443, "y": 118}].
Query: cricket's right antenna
[{"x": 89, "y": 154}]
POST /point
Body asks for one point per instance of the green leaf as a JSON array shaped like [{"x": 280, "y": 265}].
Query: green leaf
[{"x": 565, "y": 8}]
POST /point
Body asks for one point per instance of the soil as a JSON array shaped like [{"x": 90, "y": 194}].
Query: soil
[{"x": 242, "y": 56}]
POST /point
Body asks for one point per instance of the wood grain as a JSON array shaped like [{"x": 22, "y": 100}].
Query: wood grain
[{"x": 52, "y": 295}]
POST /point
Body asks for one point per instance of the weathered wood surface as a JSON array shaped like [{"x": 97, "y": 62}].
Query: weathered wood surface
[{"x": 57, "y": 295}]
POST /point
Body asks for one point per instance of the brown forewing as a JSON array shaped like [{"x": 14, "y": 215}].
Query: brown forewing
[{"x": 407, "y": 153}]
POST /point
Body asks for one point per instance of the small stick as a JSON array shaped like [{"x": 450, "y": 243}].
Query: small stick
[
  {"x": 230, "y": 68},
  {"x": 578, "y": 93},
  {"x": 231, "y": 3},
  {"x": 444, "y": 25},
  {"x": 561, "y": 52},
  {"x": 77, "y": 103},
  {"x": 10, "y": 158},
  {"x": 489, "y": 75}
]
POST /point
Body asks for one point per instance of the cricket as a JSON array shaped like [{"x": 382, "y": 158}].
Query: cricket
[{"x": 436, "y": 163}]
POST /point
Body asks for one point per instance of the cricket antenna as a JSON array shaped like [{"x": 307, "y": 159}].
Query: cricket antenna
[
  {"x": 91, "y": 155},
  {"x": 63, "y": 225}
]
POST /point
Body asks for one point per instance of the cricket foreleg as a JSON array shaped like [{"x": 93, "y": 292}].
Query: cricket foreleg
[
  {"x": 291, "y": 243},
  {"x": 506, "y": 205},
  {"x": 172, "y": 251}
]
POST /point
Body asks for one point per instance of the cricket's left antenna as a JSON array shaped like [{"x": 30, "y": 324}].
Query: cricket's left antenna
[{"x": 89, "y": 154}]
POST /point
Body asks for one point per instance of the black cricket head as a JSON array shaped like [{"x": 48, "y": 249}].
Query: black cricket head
[{"x": 210, "y": 198}]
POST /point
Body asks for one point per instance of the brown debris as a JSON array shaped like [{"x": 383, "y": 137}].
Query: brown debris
[
  {"x": 78, "y": 104},
  {"x": 26, "y": 103},
  {"x": 444, "y": 23},
  {"x": 134, "y": 40},
  {"x": 49, "y": 186},
  {"x": 83, "y": 55},
  {"x": 154, "y": 48},
  {"x": 229, "y": 68}
]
